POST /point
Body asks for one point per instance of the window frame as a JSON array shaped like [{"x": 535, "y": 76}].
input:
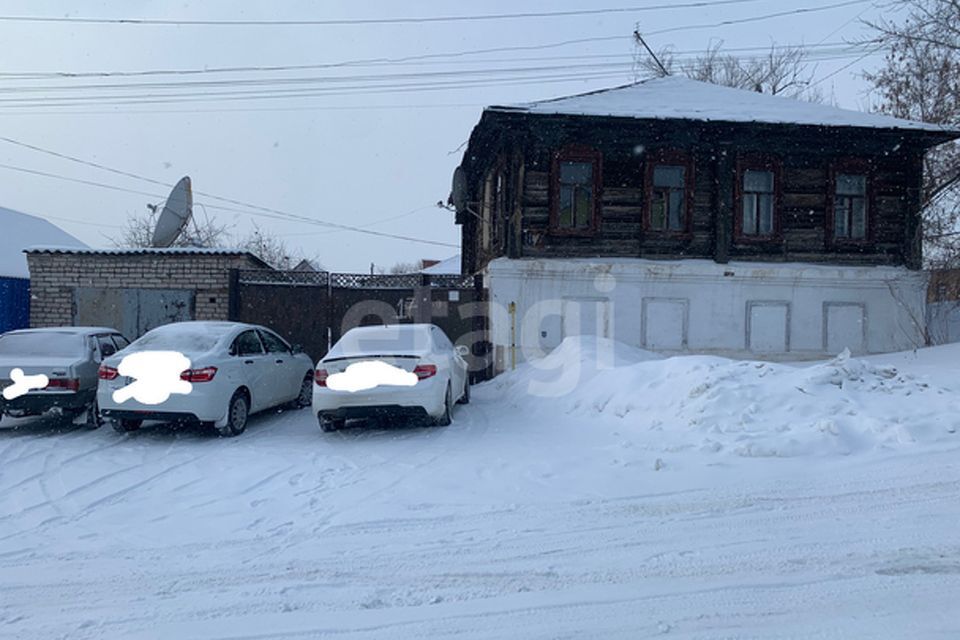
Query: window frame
[
  {"x": 850, "y": 166},
  {"x": 671, "y": 158},
  {"x": 758, "y": 162},
  {"x": 576, "y": 153}
]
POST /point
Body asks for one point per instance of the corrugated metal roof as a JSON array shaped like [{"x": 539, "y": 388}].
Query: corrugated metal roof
[
  {"x": 148, "y": 251},
  {"x": 140, "y": 251}
]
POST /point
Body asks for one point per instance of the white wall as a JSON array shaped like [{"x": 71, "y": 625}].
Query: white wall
[{"x": 756, "y": 310}]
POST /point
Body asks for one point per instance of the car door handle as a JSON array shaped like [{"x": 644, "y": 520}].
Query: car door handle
[
  {"x": 248, "y": 362},
  {"x": 279, "y": 361}
]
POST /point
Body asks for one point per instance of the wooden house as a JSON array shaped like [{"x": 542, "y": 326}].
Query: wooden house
[{"x": 683, "y": 216}]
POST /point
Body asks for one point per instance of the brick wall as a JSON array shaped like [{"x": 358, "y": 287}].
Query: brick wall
[{"x": 54, "y": 276}]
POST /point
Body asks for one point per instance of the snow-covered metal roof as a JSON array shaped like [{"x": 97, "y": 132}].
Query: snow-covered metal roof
[
  {"x": 147, "y": 251},
  {"x": 20, "y": 230},
  {"x": 679, "y": 98},
  {"x": 138, "y": 251}
]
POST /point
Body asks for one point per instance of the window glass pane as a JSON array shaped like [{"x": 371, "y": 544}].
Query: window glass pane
[
  {"x": 41, "y": 343},
  {"x": 576, "y": 173},
  {"x": 565, "y": 217},
  {"x": 840, "y": 219},
  {"x": 858, "y": 215},
  {"x": 676, "y": 210},
  {"x": 658, "y": 210},
  {"x": 759, "y": 181},
  {"x": 668, "y": 176},
  {"x": 247, "y": 344},
  {"x": 273, "y": 343},
  {"x": 851, "y": 185},
  {"x": 766, "y": 214},
  {"x": 583, "y": 206},
  {"x": 750, "y": 214}
]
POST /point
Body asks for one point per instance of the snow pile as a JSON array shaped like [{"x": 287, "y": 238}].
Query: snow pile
[{"x": 749, "y": 408}]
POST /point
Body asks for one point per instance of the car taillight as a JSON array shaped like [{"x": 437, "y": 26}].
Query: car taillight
[
  {"x": 320, "y": 377},
  {"x": 424, "y": 371},
  {"x": 199, "y": 375},
  {"x": 68, "y": 384},
  {"x": 107, "y": 373}
]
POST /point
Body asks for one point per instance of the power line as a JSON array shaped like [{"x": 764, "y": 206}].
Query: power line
[
  {"x": 265, "y": 212},
  {"x": 768, "y": 16},
  {"x": 370, "y": 21},
  {"x": 239, "y": 82},
  {"x": 430, "y": 59},
  {"x": 275, "y": 94}
]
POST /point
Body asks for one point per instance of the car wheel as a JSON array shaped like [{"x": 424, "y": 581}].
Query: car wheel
[
  {"x": 465, "y": 398},
  {"x": 93, "y": 421},
  {"x": 305, "y": 399},
  {"x": 126, "y": 426},
  {"x": 329, "y": 425},
  {"x": 237, "y": 414},
  {"x": 447, "y": 417}
]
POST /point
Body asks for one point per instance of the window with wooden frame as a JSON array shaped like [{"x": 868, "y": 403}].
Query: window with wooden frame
[
  {"x": 848, "y": 216},
  {"x": 575, "y": 191},
  {"x": 758, "y": 199},
  {"x": 669, "y": 187}
]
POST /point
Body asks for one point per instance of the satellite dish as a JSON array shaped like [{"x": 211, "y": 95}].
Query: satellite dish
[
  {"x": 175, "y": 216},
  {"x": 458, "y": 194}
]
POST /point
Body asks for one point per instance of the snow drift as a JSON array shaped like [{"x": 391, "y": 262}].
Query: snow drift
[{"x": 749, "y": 408}]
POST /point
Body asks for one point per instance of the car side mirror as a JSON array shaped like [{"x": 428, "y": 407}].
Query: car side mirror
[
  {"x": 462, "y": 350},
  {"x": 296, "y": 349}
]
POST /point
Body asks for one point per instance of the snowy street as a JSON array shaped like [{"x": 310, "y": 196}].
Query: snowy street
[{"x": 505, "y": 524}]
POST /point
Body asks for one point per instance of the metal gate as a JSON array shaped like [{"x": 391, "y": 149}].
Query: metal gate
[
  {"x": 132, "y": 311},
  {"x": 314, "y": 309}
]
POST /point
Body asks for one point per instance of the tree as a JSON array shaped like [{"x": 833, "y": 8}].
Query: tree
[
  {"x": 268, "y": 248},
  {"x": 138, "y": 231},
  {"x": 781, "y": 71},
  {"x": 920, "y": 80}
]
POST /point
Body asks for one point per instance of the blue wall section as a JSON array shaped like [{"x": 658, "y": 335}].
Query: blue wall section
[{"x": 14, "y": 303}]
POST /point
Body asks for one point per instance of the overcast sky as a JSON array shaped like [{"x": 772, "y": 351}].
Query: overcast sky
[{"x": 353, "y": 151}]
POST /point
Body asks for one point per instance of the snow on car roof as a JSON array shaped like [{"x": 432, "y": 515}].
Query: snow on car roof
[
  {"x": 191, "y": 336},
  {"x": 681, "y": 98}
]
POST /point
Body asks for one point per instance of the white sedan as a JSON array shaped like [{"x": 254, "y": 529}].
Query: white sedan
[
  {"x": 235, "y": 369},
  {"x": 404, "y": 369}
]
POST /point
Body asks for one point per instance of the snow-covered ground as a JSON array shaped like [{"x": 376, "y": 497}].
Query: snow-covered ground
[{"x": 690, "y": 497}]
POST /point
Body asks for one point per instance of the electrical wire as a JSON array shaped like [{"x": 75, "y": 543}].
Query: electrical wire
[
  {"x": 370, "y": 21},
  {"x": 259, "y": 211}
]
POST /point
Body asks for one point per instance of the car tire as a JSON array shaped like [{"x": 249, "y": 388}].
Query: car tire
[
  {"x": 305, "y": 399},
  {"x": 127, "y": 426},
  {"x": 329, "y": 425},
  {"x": 447, "y": 417},
  {"x": 237, "y": 413},
  {"x": 93, "y": 421},
  {"x": 465, "y": 398}
]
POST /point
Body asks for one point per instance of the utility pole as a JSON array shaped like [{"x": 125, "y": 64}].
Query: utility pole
[{"x": 639, "y": 38}]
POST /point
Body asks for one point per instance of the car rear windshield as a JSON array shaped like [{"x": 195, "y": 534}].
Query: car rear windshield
[
  {"x": 179, "y": 338},
  {"x": 46, "y": 343},
  {"x": 382, "y": 341}
]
